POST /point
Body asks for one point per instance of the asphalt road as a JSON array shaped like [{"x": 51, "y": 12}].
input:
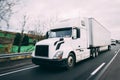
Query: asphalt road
[
  {"x": 113, "y": 71},
  {"x": 89, "y": 69}
]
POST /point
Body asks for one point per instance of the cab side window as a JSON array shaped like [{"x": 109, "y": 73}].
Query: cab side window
[{"x": 76, "y": 33}]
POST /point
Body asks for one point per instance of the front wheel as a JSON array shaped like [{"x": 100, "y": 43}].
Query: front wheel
[{"x": 70, "y": 61}]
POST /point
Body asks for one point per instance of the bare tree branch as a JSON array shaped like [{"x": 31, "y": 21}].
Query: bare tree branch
[
  {"x": 6, "y": 10},
  {"x": 23, "y": 24}
]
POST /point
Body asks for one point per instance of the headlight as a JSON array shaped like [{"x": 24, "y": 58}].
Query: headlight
[{"x": 58, "y": 55}]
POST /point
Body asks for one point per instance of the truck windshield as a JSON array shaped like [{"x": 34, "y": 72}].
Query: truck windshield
[{"x": 63, "y": 32}]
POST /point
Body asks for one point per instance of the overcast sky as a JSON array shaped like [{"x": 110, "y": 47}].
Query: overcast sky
[{"x": 107, "y": 12}]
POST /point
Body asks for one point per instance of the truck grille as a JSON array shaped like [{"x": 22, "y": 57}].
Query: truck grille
[{"x": 42, "y": 50}]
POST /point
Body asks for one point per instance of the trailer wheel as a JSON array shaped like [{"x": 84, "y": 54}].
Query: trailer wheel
[
  {"x": 70, "y": 61},
  {"x": 93, "y": 53},
  {"x": 96, "y": 52}
]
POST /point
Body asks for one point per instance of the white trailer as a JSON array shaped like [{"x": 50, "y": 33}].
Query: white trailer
[
  {"x": 99, "y": 35},
  {"x": 71, "y": 41}
]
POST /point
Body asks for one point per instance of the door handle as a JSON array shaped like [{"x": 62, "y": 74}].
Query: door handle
[{"x": 81, "y": 50}]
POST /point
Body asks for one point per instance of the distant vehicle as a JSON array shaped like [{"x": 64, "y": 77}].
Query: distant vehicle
[
  {"x": 118, "y": 41},
  {"x": 72, "y": 41},
  {"x": 113, "y": 42}
]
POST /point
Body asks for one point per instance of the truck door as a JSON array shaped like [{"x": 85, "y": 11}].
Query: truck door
[
  {"x": 80, "y": 43},
  {"x": 84, "y": 43}
]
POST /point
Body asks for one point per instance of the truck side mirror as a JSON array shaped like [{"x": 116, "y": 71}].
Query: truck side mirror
[
  {"x": 74, "y": 34},
  {"x": 78, "y": 33}
]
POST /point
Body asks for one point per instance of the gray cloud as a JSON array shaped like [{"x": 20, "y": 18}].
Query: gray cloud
[{"x": 105, "y": 11}]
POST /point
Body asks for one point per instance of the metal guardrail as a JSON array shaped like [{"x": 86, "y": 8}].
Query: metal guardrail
[{"x": 13, "y": 55}]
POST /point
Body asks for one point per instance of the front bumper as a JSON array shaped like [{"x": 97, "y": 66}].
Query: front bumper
[{"x": 51, "y": 62}]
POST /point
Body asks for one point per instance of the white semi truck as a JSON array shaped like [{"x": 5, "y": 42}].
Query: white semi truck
[{"x": 71, "y": 41}]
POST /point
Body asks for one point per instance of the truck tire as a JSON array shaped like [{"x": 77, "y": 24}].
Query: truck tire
[
  {"x": 70, "y": 61},
  {"x": 96, "y": 52},
  {"x": 93, "y": 53}
]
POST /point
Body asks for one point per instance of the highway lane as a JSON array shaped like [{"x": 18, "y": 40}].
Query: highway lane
[
  {"x": 13, "y": 65},
  {"x": 113, "y": 70},
  {"x": 88, "y": 69}
]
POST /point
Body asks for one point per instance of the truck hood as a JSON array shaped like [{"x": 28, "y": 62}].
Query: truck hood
[
  {"x": 51, "y": 41},
  {"x": 53, "y": 44},
  {"x": 47, "y": 41}
]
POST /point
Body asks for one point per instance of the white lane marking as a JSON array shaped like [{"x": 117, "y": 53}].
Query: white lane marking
[
  {"x": 113, "y": 57},
  {"x": 18, "y": 70},
  {"x": 96, "y": 70},
  {"x": 105, "y": 68}
]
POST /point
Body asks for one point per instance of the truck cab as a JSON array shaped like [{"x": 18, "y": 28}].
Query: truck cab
[{"x": 62, "y": 47}]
